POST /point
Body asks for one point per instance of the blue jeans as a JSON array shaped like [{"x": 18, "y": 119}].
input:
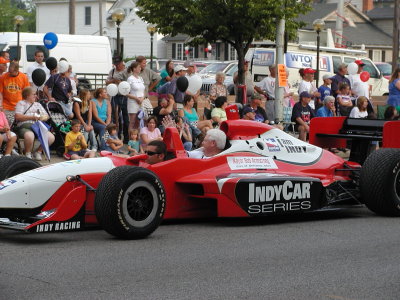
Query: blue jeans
[
  {"x": 100, "y": 129},
  {"x": 90, "y": 138}
]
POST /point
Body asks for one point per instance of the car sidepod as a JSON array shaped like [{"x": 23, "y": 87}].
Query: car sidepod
[{"x": 270, "y": 194}]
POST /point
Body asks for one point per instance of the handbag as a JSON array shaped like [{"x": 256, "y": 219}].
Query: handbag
[
  {"x": 147, "y": 108},
  {"x": 14, "y": 124}
]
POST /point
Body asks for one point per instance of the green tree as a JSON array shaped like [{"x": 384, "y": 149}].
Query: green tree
[
  {"x": 11, "y": 8},
  {"x": 237, "y": 22}
]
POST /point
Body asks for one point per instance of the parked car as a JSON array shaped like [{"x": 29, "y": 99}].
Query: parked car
[
  {"x": 209, "y": 72},
  {"x": 385, "y": 68}
]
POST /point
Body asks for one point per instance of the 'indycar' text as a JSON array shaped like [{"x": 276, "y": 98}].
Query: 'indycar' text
[{"x": 278, "y": 196}]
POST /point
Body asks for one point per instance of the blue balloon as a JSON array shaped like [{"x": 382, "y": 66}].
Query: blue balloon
[{"x": 50, "y": 40}]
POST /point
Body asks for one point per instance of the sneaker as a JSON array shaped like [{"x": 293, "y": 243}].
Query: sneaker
[
  {"x": 7, "y": 155},
  {"x": 14, "y": 152},
  {"x": 37, "y": 156},
  {"x": 28, "y": 155},
  {"x": 1, "y": 155},
  {"x": 94, "y": 149}
]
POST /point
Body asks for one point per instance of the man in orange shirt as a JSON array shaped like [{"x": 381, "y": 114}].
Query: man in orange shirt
[{"x": 11, "y": 85}]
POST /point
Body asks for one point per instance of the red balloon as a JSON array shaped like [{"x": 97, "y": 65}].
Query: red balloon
[{"x": 364, "y": 76}]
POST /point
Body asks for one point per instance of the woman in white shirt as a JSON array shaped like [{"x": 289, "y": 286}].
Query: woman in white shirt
[
  {"x": 360, "y": 110},
  {"x": 136, "y": 95},
  {"x": 27, "y": 112}
]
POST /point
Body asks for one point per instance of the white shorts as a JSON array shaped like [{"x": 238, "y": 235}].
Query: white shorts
[
  {"x": 133, "y": 106},
  {"x": 4, "y": 135}
]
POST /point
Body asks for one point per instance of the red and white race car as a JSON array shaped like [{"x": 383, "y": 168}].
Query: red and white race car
[{"x": 263, "y": 172}]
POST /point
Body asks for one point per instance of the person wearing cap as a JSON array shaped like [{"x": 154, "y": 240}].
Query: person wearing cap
[
  {"x": 3, "y": 65},
  {"x": 302, "y": 114},
  {"x": 173, "y": 92},
  {"x": 260, "y": 113},
  {"x": 325, "y": 89},
  {"x": 191, "y": 71},
  {"x": 61, "y": 88},
  {"x": 249, "y": 113},
  {"x": 328, "y": 110},
  {"x": 339, "y": 78},
  {"x": 11, "y": 85},
  {"x": 38, "y": 64},
  {"x": 307, "y": 85},
  {"x": 266, "y": 87},
  {"x": 150, "y": 77},
  {"x": 359, "y": 87},
  {"x": 119, "y": 103}
]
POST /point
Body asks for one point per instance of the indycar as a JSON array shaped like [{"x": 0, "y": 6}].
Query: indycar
[{"x": 262, "y": 172}]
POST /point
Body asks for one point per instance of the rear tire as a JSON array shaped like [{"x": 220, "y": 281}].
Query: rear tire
[
  {"x": 380, "y": 182},
  {"x": 14, "y": 165},
  {"x": 130, "y": 202}
]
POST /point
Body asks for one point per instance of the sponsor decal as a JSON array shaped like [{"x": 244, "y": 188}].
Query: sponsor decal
[
  {"x": 58, "y": 226},
  {"x": 278, "y": 196},
  {"x": 272, "y": 145},
  {"x": 299, "y": 60},
  {"x": 291, "y": 147},
  {"x": 251, "y": 162},
  {"x": 6, "y": 183}
]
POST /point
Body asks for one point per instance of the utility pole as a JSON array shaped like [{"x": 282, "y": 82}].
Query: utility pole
[
  {"x": 72, "y": 16},
  {"x": 396, "y": 34},
  {"x": 280, "y": 33},
  {"x": 100, "y": 17},
  {"x": 339, "y": 24}
]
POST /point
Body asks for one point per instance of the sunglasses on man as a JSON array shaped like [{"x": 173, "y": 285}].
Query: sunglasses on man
[{"x": 151, "y": 153}]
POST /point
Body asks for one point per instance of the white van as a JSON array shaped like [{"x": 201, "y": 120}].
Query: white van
[
  {"x": 87, "y": 54},
  {"x": 305, "y": 56}
]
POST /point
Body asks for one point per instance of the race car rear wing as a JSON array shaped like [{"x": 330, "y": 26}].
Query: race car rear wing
[{"x": 334, "y": 132}]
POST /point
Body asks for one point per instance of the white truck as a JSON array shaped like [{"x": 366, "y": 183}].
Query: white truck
[
  {"x": 90, "y": 56},
  {"x": 305, "y": 56}
]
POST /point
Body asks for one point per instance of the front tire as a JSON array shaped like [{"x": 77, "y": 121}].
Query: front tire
[
  {"x": 14, "y": 165},
  {"x": 380, "y": 182},
  {"x": 130, "y": 202}
]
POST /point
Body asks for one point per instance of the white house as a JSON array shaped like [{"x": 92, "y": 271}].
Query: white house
[{"x": 90, "y": 15}]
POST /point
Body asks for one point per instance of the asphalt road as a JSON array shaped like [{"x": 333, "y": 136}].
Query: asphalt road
[{"x": 348, "y": 254}]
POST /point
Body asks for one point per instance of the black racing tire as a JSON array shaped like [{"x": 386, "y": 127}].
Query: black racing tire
[
  {"x": 380, "y": 182},
  {"x": 14, "y": 165},
  {"x": 130, "y": 202}
]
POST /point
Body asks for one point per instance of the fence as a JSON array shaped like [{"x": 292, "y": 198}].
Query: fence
[{"x": 91, "y": 81}]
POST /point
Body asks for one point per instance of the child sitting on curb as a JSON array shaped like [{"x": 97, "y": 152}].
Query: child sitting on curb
[{"x": 75, "y": 143}]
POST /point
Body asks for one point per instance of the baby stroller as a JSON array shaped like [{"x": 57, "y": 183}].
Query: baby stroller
[{"x": 60, "y": 125}]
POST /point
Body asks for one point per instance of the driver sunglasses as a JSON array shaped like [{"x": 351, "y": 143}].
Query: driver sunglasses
[{"x": 151, "y": 153}]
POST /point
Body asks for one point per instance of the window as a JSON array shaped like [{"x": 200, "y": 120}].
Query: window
[
  {"x": 370, "y": 68},
  {"x": 376, "y": 55},
  {"x": 232, "y": 53},
  {"x": 88, "y": 15},
  {"x": 336, "y": 62},
  {"x": 31, "y": 49},
  {"x": 179, "y": 51}
]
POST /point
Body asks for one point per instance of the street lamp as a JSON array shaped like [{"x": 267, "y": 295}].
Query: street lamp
[
  {"x": 18, "y": 21},
  {"x": 152, "y": 30},
  {"x": 318, "y": 25},
  {"x": 118, "y": 15}
]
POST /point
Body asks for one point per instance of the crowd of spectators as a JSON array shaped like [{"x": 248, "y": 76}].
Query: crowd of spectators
[{"x": 115, "y": 120}]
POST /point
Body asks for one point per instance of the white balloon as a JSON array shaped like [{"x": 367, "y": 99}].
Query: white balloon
[
  {"x": 352, "y": 68},
  {"x": 112, "y": 89},
  {"x": 124, "y": 88},
  {"x": 195, "y": 83}
]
